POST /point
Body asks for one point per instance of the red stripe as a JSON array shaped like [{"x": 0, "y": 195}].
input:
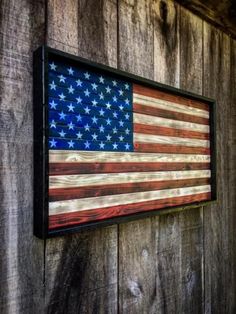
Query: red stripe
[
  {"x": 70, "y": 219},
  {"x": 62, "y": 194},
  {"x": 115, "y": 167},
  {"x": 167, "y": 148},
  {"x": 168, "y": 114},
  {"x": 150, "y": 92},
  {"x": 159, "y": 130}
]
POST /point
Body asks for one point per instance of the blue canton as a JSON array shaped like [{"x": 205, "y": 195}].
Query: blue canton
[{"x": 88, "y": 110}]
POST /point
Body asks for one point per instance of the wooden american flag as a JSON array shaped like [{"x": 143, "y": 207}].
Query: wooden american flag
[{"x": 117, "y": 148}]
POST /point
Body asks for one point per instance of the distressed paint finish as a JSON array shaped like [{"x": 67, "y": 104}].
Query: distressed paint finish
[{"x": 175, "y": 263}]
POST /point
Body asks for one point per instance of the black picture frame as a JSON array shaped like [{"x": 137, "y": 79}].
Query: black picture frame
[{"x": 40, "y": 99}]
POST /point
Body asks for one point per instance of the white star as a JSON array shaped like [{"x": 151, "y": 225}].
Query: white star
[
  {"x": 126, "y": 86},
  {"x": 114, "y": 83},
  {"x": 108, "y": 105},
  {"x": 121, "y": 107},
  {"x": 71, "y": 71},
  {"x": 115, "y": 99},
  {"x": 127, "y": 146},
  {"x": 127, "y": 116},
  {"x": 101, "y": 129},
  {"x": 101, "y": 112},
  {"x": 71, "y": 126},
  {"x": 121, "y": 138},
  {"x": 53, "y": 124},
  {"x": 53, "y": 143},
  {"x": 108, "y": 121},
  {"x": 53, "y": 66},
  {"x": 127, "y": 131},
  {"x": 121, "y": 92},
  {"x": 53, "y": 104},
  {"x": 94, "y": 102},
  {"x": 79, "y": 100},
  {"x": 94, "y": 136},
  {"x": 62, "y": 115},
  {"x": 62, "y": 78},
  {"x": 101, "y": 145},
  {"x": 127, "y": 101},
  {"x": 87, "y": 127},
  {"x": 108, "y": 89},
  {"x": 86, "y": 93},
  {"x": 114, "y": 130},
  {"x": 94, "y": 120},
  {"x": 121, "y": 123},
  {"x": 62, "y": 133},
  {"x": 71, "y": 107},
  {"x": 79, "y": 135},
  {"x": 115, "y": 114},
  {"x": 86, "y": 109},
  {"x": 101, "y": 79},
  {"x": 101, "y": 96},
  {"x": 71, "y": 144},
  {"x": 52, "y": 85},
  {"x": 87, "y": 75},
  {"x": 79, "y": 82},
  {"x": 114, "y": 146},
  {"x": 62, "y": 96},
  {"x": 71, "y": 90},
  {"x": 94, "y": 86},
  {"x": 108, "y": 137},
  {"x": 79, "y": 118},
  {"x": 87, "y": 144}
]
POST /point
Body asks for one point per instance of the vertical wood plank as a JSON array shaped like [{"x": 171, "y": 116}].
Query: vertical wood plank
[
  {"x": 218, "y": 281},
  {"x": 191, "y": 221},
  {"x": 137, "y": 288},
  {"x": 21, "y": 254},
  {"x": 166, "y": 16},
  {"x": 81, "y": 269}
]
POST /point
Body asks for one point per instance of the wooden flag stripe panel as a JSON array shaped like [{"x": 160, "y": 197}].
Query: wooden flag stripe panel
[
  {"x": 86, "y": 216},
  {"x": 67, "y": 168}
]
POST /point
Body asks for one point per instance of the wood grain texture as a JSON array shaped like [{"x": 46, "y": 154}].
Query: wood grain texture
[
  {"x": 191, "y": 222},
  {"x": 218, "y": 12},
  {"x": 84, "y": 264},
  {"x": 217, "y": 219},
  {"x": 21, "y": 279},
  {"x": 136, "y": 260}
]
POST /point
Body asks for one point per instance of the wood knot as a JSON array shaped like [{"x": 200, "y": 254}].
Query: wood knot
[{"x": 135, "y": 288}]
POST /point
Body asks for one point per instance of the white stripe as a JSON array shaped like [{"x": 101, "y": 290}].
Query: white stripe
[
  {"x": 63, "y": 181},
  {"x": 167, "y": 105},
  {"x": 70, "y": 206},
  {"x": 151, "y": 120},
  {"x": 83, "y": 156},
  {"x": 148, "y": 138}
]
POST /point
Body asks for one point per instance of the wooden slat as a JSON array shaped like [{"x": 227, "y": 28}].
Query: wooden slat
[
  {"x": 165, "y": 148},
  {"x": 175, "y": 124},
  {"x": 159, "y": 130},
  {"x": 167, "y": 105},
  {"x": 146, "y": 91},
  {"x": 88, "y": 29},
  {"x": 89, "y": 203},
  {"x": 168, "y": 114},
  {"x": 101, "y": 179},
  {"x": 83, "y": 156},
  {"x": 82, "y": 168},
  {"x": 61, "y": 220},
  {"x": 61, "y": 194},
  {"x": 139, "y": 137}
]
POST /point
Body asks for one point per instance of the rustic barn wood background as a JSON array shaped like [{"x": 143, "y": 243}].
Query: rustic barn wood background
[{"x": 177, "y": 263}]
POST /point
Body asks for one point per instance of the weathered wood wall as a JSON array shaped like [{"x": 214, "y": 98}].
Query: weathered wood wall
[{"x": 176, "y": 263}]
